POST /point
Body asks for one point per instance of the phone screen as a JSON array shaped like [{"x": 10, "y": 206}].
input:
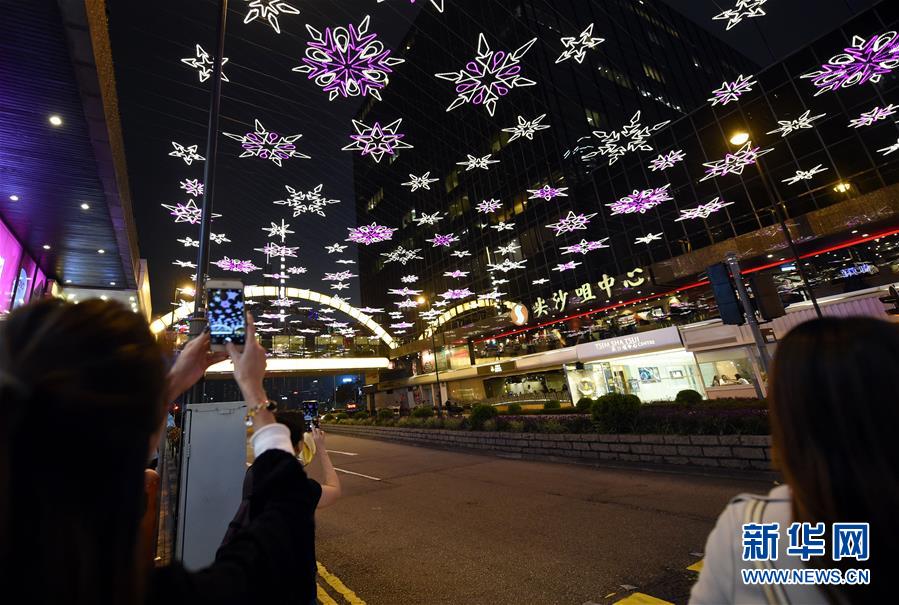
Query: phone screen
[
  {"x": 225, "y": 313},
  {"x": 310, "y": 414}
]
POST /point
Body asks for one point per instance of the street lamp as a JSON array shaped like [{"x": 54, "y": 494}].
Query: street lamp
[
  {"x": 739, "y": 138},
  {"x": 188, "y": 291},
  {"x": 438, "y": 403}
]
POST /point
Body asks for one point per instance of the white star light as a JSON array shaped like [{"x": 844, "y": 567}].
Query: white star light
[
  {"x": 547, "y": 192},
  {"x": 269, "y": 10},
  {"x": 345, "y": 261},
  {"x": 184, "y": 263},
  {"x": 188, "y": 242},
  {"x": 188, "y": 154},
  {"x": 371, "y": 310},
  {"x": 731, "y": 91},
  {"x": 456, "y": 274},
  {"x": 203, "y": 64},
  {"x": 401, "y": 325},
  {"x": 506, "y": 266},
  {"x": 890, "y": 148},
  {"x": 649, "y": 237},
  {"x": 577, "y": 47},
  {"x": 572, "y": 222},
  {"x": 409, "y": 279},
  {"x": 539, "y": 282},
  {"x": 401, "y": 255},
  {"x": 488, "y": 206},
  {"x": 733, "y": 163},
  {"x": 270, "y": 249},
  {"x": 277, "y": 230},
  {"x": 503, "y": 226},
  {"x": 788, "y": 126},
  {"x": 339, "y": 276},
  {"x": 296, "y": 270},
  {"x": 427, "y": 219},
  {"x": 193, "y": 187},
  {"x": 186, "y": 213},
  {"x": 306, "y": 201},
  {"x": 703, "y": 210},
  {"x": 267, "y": 145},
  {"x": 282, "y": 302},
  {"x": 460, "y": 253},
  {"x": 495, "y": 295},
  {"x": 497, "y": 282},
  {"x": 743, "y": 9},
  {"x": 405, "y": 291},
  {"x": 440, "y": 303},
  {"x": 420, "y": 182},
  {"x": 492, "y": 74},
  {"x": 482, "y": 162},
  {"x": 377, "y": 140},
  {"x": 407, "y": 304},
  {"x": 219, "y": 238},
  {"x": 456, "y": 293},
  {"x": 667, "y": 160},
  {"x": 526, "y": 128},
  {"x": 875, "y": 115},
  {"x": 511, "y": 248},
  {"x": 276, "y": 275},
  {"x": 335, "y": 248},
  {"x": 633, "y": 136},
  {"x": 340, "y": 286},
  {"x": 804, "y": 175},
  {"x": 583, "y": 246}
]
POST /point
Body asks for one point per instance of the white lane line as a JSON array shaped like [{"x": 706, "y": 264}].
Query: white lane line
[
  {"x": 344, "y": 453},
  {"x": 340, "y": 470}
]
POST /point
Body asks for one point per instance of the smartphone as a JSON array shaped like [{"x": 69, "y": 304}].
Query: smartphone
[
  {"x": 225, "y": 313},
  {"x": 310, "y": 415}
]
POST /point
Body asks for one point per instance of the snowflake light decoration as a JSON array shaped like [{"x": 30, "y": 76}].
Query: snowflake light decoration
[
  {"x": 279, "y": 231},
  {"x": 641, "y": 201},
  {"x": 407, "y": 304},
  {"x": 492, "y": 74},
  {"x": 743, "y": 9},
  {"x": 427, "y": 219},
  {"x": 420, "y": 182},
  {"x": 875, "y": 115},
  {"x": 303, "y": 202},
  {"x": 507, "y": 265},
  {"x": 494, "y": 295},
  {"x": 508, "y": 249},
  {"x": 804, "y": 121},
  {"x": 443, "y": 240},
  {"x": 203, "y": 63},
  {"x": 405, "y": 291},
  {"x": 271, "y": 249},
  {"x": 667, "y": 160},
  {"x": 569, "y": 266},
  {"x": 703, "y": 210},
  {"x": 571, "y": 222},
  {"x": 186, "y": 213},
  {"x": 339, "y": 276},
  {"x": 731, "y": 91},
  {"x": 276, "y": 275},
  {"x": 503, "y": 226},
  {"x": 456, "y": 273},
  {"x": 864, "y": 61},
  {"x": 804, "y": 175},
  {"x": 296, "y": 270},
  {"x": 583, "y": 247},
  {"x": 371, "y": 310},
  {"x": 269, "y": 10},
  {"x": 401, "y": 325},
  {"x": 347, "y": 61},
  {"x": 189, "y": 242},
  {"x": 282, "y": 302},
  {"x": 345, "y": 261},
  {"x": 396, "y": 314},
  {"x": 576, "y": 47},
  {"x": 648, "y": 238},
  {"x": 890, "y": 148},
  {"x": 193, "y": 187},
  {"x": 188, "y": 154},
  {"x": 539, "y": 282},
  {"x": 460, "y": 253},
  {"x": 184, "y": 264},
  {"x": 473, "y": 162},
  {"x": 267, "y": 145},
  {"x": 526, "y": 128},
  {"x": 734, "y": 163},
  {"x": 488, "y": 206},
  {"x": 547, "y": 192},
  {"x": 331, "y": 248},
  {"x": 409, "y": 279},
  {"x": 456, "y": 293},
  {"x": 369, "y": 234},
  {"x": 401, "y": 255},
  {"x": 377, "y": 140},
  {"x": 440, "y": 303},
  {"x": 497, "y": 282},
  {"x": 633, "y": 136},
  {"x": 340, "y": 286},
  {"x": 234, "y": 264}
]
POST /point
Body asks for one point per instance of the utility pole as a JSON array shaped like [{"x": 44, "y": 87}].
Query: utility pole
[{"x": 764, "y": 358}]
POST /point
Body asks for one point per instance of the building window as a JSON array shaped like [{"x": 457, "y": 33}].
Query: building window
[
  {"x": 452, "y": 180},
  {"x": 653, "y": 73},
  {"x": 593, "y": 117},
  {"x": 375, "y": 199}
]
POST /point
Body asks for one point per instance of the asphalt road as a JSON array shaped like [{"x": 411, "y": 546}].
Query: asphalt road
[{"x": 445, "y": 527}]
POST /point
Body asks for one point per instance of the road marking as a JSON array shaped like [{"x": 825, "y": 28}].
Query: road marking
[
  {"x": 344, "y": 453},
  {"x": 339, "y": 586},
  {"x": 697, "y": 567},
  {"x": 340, "y": 470},
  {"x": 323, "y": 597},
  {"x": 638, "y": 598}
]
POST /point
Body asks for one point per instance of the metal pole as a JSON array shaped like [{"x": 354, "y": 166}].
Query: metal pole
[
  {"x": 731, "y": 260},
  {"x": 438, "y": 404}
]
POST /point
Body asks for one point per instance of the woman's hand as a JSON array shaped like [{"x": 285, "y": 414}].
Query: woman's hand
[
  {"x": 190, "y": 365},
  {"x": 249, "y": 370},
  {"x": 318, "y": 436}
]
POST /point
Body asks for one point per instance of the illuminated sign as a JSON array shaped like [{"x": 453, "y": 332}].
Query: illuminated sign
[
  {"x": 519, "y": 314},
  {"x": 860, "y": 269},
  {"x": 635, "y": 343},
  {"x": 584, "y": 292}
]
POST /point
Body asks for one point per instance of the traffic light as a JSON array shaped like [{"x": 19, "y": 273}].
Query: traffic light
[
  {"x": 729, "y": 307},
  {"x": 767, "y": 299},
  {"x": 892, "y": 299}
]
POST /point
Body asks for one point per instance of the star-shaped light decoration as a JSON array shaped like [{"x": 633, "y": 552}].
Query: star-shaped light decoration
[
  {"x": 345, "y": 261},
  {"x": 473, "y": 162},
  {"x": 667, "y": 160},
  {"x": 420, "y": 182},
  {"x": 460, "y": 253},
  {"x": 507, "y": 265},
  {"x": 407, "y": 304},
  {"x": 280, "y": 316},
  {"x": 371, "y": 310},
  {"x": 547, "y": 192},
  {"x": 492, "y": 74},
  {"x": 370, "y": 234},
  {"x": 456, "y": 273},
  {"x": 641, "y": 201},
  {"x": 583, "y": 247},
  {"x": 184, "y": 263},
  {"x": 875, "y": 115},
  {"x": 456, "y": 293},
  {"x": 269, "y": 10},
  {"x": 804, "y": 175},
  {"x": 510, "y": 248},
  {"x": 347, "y": 61},
  {"x": 377, "y": 140},
  {"x": 488, "y": 206},
  {"x": 234, "y": 264},
  {"x": 494, "y": 295},
  {"x": 803, "y": 121},
  {"x": 569, "y": 266},
  {"x": 401, "y": 255},
  {"x": 188, "y": 154},
  {"x": 405, "y": 291},
  {"x": 189, "y": 242},
  {"x": 279, "y": 231},
  {"x": 633, "y": 136},
  {"x": 526, "y": 128},
  {"x": 339, "y": 276},
  {"x": 276, "y": 275},
  {"x": 296, "y": 270},
  {"x": 430, "y": 314},
  {"x": 401, "y": 325},
  {"x": 576, "y": 47},
  {"x": 440, "y": 303},
  {"x": 267, "y": 145},
  {"x": 335, "y": 248},
  {"x": 703, "y": 210},
  {"x": 890, "y": 148},
  {"x": 282, "y": 302},
  {"x": 497, "y": 282},
  {"x": 396, "y": 314},
  {"x": 648, "y": 238},
  {"x": 427, "y": 219},
  {"x": 340, "y": 286},
  {"x": 503, "y": 226},
  {"x": 271, "y": 249},
  {"x": 202, "y": 62},
  {"x": 731, "y": 91},
  {"x": 409, "y": 279},
  {"x": 743, "y": 9},
  {"x": 864, "y": 61},
  {"x": 218, "y": 238},
  {"x": 186, "y": 213},
  {"x": 303, "y": 202},
  {"x": 193, "y": 187},
  {"x": 734, "y": 163},
  {"x": 571, "y": 222},
  {"x": 443, "y": 240},
  {"x": 539, "y": 282}
]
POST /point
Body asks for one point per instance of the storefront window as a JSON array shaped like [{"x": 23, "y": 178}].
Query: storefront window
[
  {"x": 651, "y": 377},
  {"x": 725, "y": 367}
]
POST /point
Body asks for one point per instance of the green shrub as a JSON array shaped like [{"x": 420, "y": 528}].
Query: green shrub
[
  {"x": 584, "y": 404},
  {"x": 385, "y": 414},
  {"x": 410, "y": 422},
  {"x": 423, "y": 411},
  {"x": 342, "y": 416},
  {"x": 433, "y": 423},
  {"x": 516, "y": 426},
  {"x": 514, "y": 408},
  {"x": 489, "y": 425},
  {"x": 453, "y": 424},
  {"x": 480, "y": 414},
  {"x": 328, "y": 417},
  {"x": 360, "y": 415},
  {"x": 552, "y": 405},
  {"x": 688, "y": 397},
  {"x": 552, "y": 426},
  {"x": 616, "y": 412}
]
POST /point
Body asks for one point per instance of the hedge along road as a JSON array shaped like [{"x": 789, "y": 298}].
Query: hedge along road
[{"x": 444, "y": 527}]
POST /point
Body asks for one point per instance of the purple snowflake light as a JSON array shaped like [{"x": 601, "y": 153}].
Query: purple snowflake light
[
  {"x": 267, "y": 145},
  {"x": 731, "y": 91},
  {"x": 370, "y": 234},
  {"x": 233, "y": 264},
  {"x": 456, "y": 294},
  {"x": 875, "y": 115},
  {"x": 569, "y": 266},
  {"x": 864, "y": 61},
  {"x": 347, "y": 61},
  {"x": 641, "y": 201},
  {"x": 339, "y": 276},
  {"x": 547, "y": 192},
  {"x": 443, "y": 240},
  {"x": 377, "y": 140},
  {"x": 571, "y": 222},
  {"x": 186, "y": 213},
  {"x": 457, "y": 274},
  {"x": 583, "y": 247},
  {"x": 193, "y": 187}
]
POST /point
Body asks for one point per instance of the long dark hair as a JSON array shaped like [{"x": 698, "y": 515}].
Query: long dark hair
[
  {"x": 834, "y": 403},
  {"x": 81, "y": 390}
]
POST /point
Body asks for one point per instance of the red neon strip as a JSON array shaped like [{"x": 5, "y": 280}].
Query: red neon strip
[{"x": 847, "y": 244}]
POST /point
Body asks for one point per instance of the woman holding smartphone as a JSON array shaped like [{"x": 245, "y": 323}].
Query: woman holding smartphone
[{"x": 95, "y": 372}]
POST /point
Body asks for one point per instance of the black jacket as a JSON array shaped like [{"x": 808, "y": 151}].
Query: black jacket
[{"x": 270, "y": 560}]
